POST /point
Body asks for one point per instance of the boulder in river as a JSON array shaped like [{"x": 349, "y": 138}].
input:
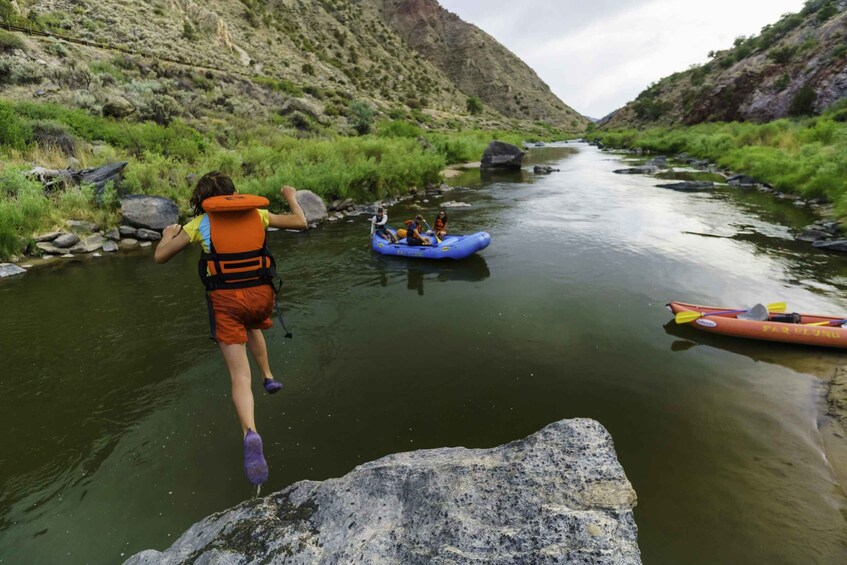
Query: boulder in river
[
  {"x": 689, "y": 186},
  {"x": 89, "y": 244},
  {"x": 811, "y": 235},
  {"x": 544, "y": 170},
  {"x": 500, "y": 155},
  {"x": 644, "y": 170},
  {"x": 557, "y": 496},
  {"x": 313, "y": 206},
  {"x": 839, "y": 245},
  {"x": 150, "y": 212},
  {"x": 66, "y": 240},
  {"x": 10, "y": 270}
]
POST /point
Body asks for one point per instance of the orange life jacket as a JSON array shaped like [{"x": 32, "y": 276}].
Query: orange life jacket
[{"x": 238, "y": 255}]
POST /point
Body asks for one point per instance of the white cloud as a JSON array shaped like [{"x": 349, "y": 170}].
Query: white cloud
[{"x": 596, "y": 56}]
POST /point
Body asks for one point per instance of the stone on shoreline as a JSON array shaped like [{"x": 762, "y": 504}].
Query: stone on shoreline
[
  {"x": 109, "y": 246},
  {"x": 149, "y": 212},
  {"x": 129, "y": 242},
  {"x": 81, "y": 226},
  {"x": 313, "y": 206},
  {"x": 557, "y": 496},
  {"x": 148, "y": 235},
  {"x": 10, "y": 270},
  {"x": 838, "y": 245},
  {"x": 91, "y": 243},
  {"x": 126, "y": 231},
  {"x": 689, "y": 186},
  {"x": 48, "y": 236},
  {"x": 66, "y": 240}
]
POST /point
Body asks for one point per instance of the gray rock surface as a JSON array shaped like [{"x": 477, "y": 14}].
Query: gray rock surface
[
  {"x": 50, "y": 236},
  {"x": 89, "y": 244},
  {"x": 127, "y": 231},
  {"x": 10, "y": 270},
  {"x": 66, "y": 240},
  {"x": 313, "y": 206},
  {"x": 544, "y": 170},
  {"x": 645, "y": 170},
  {"x": 81, "y": 226},
  {"x": 500, "y": 155},
  {"x": 109, "y": 246},
  {"x": 557, "y": 496},
  {"x": 150, "y": 212},
  {"x": 147, "y": 235},
  {"x": 689, "y": 186},
  {"x": 839, "y": 245},
  {"x": 50, "y": 248}
]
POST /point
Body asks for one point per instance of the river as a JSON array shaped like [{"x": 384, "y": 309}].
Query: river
[{"x": 119, "y": 431}]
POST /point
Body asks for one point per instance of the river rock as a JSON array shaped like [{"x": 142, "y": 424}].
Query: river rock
[
  {"x": 109, "y": 246},
  {"x": 114, "y": 234},
  {"x": 645, "y": 170},
  {"x": 313, "y": 206},
  {"x": 81, "y": 226},
  {"x": 50, "y": 236},
  {"x": 127, "y": 231},
  {"x": 500, "y": 155},
  {"x": 150, "y": 212},
  {"x": 741, "y": 180},
  {"x": 66, "y": 240},
  {"x": 557, "y": 496},
  {"x": 129, "y": 242},
  {"x": 49, "y": 247},
  {"x": 689, "y": 186},
  {"x": 10, "y": 270},
  {"x": 454, "y": 204},
  {"x": 839, "y": 245},
  {"x": 544, "y": 170},
  {"x": 812, "y": 235},
  {"x": 145, "y": 244},
  {"x": 91, "y": 243},
  {"x": 147, "y": 235}
]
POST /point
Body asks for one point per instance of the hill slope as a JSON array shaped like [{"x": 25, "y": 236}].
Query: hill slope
[
  {"x": 797, "y": 66},
  {"x": 254, "y": 54}
]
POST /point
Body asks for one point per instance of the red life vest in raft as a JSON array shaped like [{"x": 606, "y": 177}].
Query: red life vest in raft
[{"x": 238, "y": 255}]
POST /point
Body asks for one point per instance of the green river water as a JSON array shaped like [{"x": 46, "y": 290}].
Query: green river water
[{"x": 118, "y": 429}]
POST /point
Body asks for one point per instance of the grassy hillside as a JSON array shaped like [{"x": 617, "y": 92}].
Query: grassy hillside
[{"x": 794, "y": 67}]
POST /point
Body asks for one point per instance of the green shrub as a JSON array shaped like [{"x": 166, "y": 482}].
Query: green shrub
[
  {"x": 803, "y": 103},
  {"x": 23, "y": 209},
  {"x": 398, "y": 128},
  {"x": 10, "y": 41},
  {"x": 782, "y": 55},
  {"x": 15, "y": 133},
  {"x": 362, "y": 116},
  {"x": 474, "y": 106}
]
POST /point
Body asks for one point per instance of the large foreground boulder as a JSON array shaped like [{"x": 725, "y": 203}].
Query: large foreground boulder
[
  {"x": 313, "y": 206},
  {"x": 500, "y": 155},
  {"x": 149, "y": 212},
  {"x": 558, "y": 496}
]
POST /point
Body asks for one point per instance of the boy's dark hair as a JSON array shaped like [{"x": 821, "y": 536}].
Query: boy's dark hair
[{"x": 211, "y": 184}]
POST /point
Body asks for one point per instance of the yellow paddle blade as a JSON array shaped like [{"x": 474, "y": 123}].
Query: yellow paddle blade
[{"x": 686, "y": 317}]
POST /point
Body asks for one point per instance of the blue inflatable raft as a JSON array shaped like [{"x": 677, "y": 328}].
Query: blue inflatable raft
[{"x": 451, "y": 247}]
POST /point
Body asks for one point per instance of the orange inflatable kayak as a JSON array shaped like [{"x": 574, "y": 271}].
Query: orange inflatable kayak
[{"x": 725, "y": 321}]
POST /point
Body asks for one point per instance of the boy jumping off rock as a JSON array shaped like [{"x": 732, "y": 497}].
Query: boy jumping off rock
[{"x": 238, "y": 271}]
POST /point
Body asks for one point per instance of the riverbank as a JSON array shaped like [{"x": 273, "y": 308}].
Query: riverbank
[
  {"x": 807, "y": 158},
  {"x": 166, "y": 160}
]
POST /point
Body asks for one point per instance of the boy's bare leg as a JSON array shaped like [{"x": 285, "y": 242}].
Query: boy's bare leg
[
  {"x": 235, "y": 357},
  {"x": 259, "y": 350}
]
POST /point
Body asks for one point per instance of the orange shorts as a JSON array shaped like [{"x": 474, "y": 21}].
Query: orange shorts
[{"x": 239, "y": 310}]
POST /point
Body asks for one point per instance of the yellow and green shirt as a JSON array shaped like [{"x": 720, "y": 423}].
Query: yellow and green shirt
[{"x": 198, "y": 229}]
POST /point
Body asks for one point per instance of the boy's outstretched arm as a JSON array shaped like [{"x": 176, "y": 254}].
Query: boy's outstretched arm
[
  {"x": 174, "y": 240},
  {"x": 296, "y": 220}
]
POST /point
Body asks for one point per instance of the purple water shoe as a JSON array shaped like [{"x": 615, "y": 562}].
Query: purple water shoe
[
  {"x": 255, "y": 466},
  {"x": 272, "y": 386}
]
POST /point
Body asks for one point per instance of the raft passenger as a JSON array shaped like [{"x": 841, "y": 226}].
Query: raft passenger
[
  {"x": 413, "y": 233},
  {"x": 380, "y": 227},
  {"x": 441, "y": 224}
]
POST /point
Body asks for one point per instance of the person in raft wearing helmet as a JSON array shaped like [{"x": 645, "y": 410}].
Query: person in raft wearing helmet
[
  {"x": 440, "y": 226},
  {"x": 238, "y": 271},
  {"x": 413, "y": 232},
  {"x": 379, "y": 222}
]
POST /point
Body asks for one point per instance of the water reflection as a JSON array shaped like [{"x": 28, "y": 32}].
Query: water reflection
[
  {"x": 472, "y": 269},
  {"x": 800, "y": 358}
]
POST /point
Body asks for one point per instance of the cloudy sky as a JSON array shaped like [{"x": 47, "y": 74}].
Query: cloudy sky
[{"x": 596, "y": 55}]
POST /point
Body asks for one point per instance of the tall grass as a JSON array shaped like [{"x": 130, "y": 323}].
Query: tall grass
[
  {"x": 808, "y": 157},
  {"x": 163, "y": 160}
]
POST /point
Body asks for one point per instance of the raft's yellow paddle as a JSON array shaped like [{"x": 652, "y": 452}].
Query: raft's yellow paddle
[
  {"x": 827, "y": 323},
  {"x": 690, "y": 316}
]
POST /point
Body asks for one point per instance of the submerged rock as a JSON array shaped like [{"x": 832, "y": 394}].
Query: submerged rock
[
  {"x": 557, "y": 496},
  {"x": 10, "y": 270},
  {"x": 544, "y": 170},
  {"x": 689, "y": 186},
  {"x": 839, "y": 245},
  {"x": 645, "y": 170}
]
